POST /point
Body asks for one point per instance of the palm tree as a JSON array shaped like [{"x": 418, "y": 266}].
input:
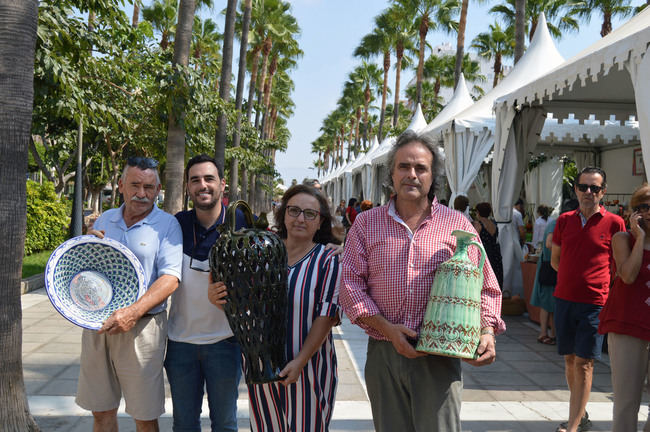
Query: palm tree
[
  {"x": 239, "y": 96},
  {"x": 162, "y": 16},
  {"x": 369, "y": 76},
  {"x": 609, "y": 9},
  {"x": 440, "y": 70},
  {"x": 378, "y": 43},
  {"x": 560, "y": 15},
  {"x": 18, "y": 22},
  {"x": 397, "y": 24},
  {"x": 429, "y": 14},
  {"x": 175, "y": 129},
  {"x": 497, "y": 44},
  {"x": 205, "y": 46}
]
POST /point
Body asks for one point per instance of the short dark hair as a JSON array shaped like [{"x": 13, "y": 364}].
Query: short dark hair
[
  {"x": 484, "y": 209},
  {"x": 201, "y": 158},
  {"x": 324, "y": 234},
  {"x": 593, "y": 170},
  {"x": 519, "y": 202},
  {"x": 461, "y": 202},
  {"x": 437, "y": 164},
  {"x": 352, "y": 202}
]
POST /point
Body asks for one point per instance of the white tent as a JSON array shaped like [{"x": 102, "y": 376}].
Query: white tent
[
  {"x": 468, "y": 137},
  {"x": 610, "y": 78},
  {"x": 459, "y": 102}
]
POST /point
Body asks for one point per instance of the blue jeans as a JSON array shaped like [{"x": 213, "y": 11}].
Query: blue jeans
[{"x": 216, "y": 366}]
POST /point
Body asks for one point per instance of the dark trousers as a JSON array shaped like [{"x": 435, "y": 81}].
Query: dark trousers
[{"x": 421, "y": 394}]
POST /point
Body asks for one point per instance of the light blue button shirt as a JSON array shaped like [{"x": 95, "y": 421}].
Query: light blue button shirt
[{"x": 156, "y": 240}]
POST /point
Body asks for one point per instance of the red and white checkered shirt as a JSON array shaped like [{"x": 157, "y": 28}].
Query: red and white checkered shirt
[{"x": 389, "y": 270}]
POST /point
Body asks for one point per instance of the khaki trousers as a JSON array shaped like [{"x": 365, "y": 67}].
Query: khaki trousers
[
  {"x": 409, "y": 395},
  {"x": 630, "y": 366}
]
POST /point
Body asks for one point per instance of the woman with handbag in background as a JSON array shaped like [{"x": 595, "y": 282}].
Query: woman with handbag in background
[
  {"x": 625, "y": 318},
  {"x": 545, "y": 280}
]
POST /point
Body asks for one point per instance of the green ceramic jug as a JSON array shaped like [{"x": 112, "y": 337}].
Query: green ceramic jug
[{"x": 452, "y": 322}]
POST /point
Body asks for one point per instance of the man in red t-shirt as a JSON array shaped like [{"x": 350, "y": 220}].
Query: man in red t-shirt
[{"x": 582, "y": 256}]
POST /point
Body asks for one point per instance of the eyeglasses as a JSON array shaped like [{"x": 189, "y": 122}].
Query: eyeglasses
[
  {"x": 594, "y": 189},
  {"x": 142, "y": 162},
  {"x": 642, "y": 208},
  {"x": 192, "y": 255},
  {"x": 310, "y": 214}
]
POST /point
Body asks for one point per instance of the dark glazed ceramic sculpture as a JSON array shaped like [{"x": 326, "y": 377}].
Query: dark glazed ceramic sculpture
[{"x": 253, "y": 265}]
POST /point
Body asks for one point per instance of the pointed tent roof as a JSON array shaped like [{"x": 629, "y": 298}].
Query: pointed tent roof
[
  {"x": 460, "y": 101},
  {"x": 418, "y": 122},
  {"x": 540, "y": 57},
  {"x": 366, "y": 159}
]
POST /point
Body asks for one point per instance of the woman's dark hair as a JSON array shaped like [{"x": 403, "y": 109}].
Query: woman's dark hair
[
  {"x": 460, "y": 203},
  {"x": 544, "y": 211},
  {"x": 324, "y": 234},
  {"x": 484, "y": 209},
  {"x": 352, "y": 202}
]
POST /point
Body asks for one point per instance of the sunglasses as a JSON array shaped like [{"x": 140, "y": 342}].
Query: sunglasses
[
  {"x": 594, "y": 189},
  {"x": 642, "y": 208},
  {"x": 310, "y": 214},
  {"x": 142, "y": 162}
]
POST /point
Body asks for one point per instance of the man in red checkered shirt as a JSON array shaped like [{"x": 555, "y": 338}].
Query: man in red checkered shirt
[{"x": 391, "y": 256}]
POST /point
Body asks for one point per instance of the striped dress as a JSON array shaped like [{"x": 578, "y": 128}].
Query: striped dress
[{"x": 307, "y": 404}]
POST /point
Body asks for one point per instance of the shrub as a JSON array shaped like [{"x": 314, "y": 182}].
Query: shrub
[{"x": 47, "y": 218}]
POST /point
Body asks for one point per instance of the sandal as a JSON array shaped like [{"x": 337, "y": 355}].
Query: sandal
[
  {"x": 546, "y": 340},
  {"x": 584, "y": 426}
]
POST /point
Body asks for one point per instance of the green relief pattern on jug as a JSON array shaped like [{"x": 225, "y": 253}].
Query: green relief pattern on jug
[{"x": 452, "y": 321}]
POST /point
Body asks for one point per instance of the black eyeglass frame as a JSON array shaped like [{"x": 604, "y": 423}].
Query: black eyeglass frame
[
  {"x": 306, "y": 212},
  {"x": 582, "y": 187},
  {"x": 142, "y": 162}
]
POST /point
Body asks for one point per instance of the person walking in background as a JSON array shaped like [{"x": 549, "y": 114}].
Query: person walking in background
[
  {"x": 545, "y": 281},
  {"x": 626, "y": 315},
  {"x": 366, "y": 205},
  {"x": 461, "y": 203},
  {"x": 543, "y": 212},
  {"x": 582, "y": 255},
  {"x": 350, "y": 213},
  {"x": 488, "y": 232},
  {"x": 518, "y": 220},
  {"x": 304, "y": 400},
  {"x": 390, "y": 259}
]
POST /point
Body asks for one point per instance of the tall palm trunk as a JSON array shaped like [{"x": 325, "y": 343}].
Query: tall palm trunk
[
  {"x": 268, "y": 85},
  {"x": 606, "y": 28},
  {"x": 366, "y": 106},
  {"x": 224, "y": 86},
  {"x": 424, "y": 29},
  {"x": 460, "y": 42},
  {"x": 384, "y": 94},
  {"x": 497, "y": 69},
  {"x": 239, "y": 96},
  {"x": 357, "y": 137},
  {"x": 520, "y": 29},
  {"x": 18, "y": 21},
  {"x": 399, "y": 52},
  {"x": 253, "y": 82},
  {"x": 266, "y": 50},
  {"x": 175, "y": 130},
  {"x": 136, "y": 13}
]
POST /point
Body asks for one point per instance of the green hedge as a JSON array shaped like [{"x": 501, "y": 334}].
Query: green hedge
[{"x": 47, "y": 218}]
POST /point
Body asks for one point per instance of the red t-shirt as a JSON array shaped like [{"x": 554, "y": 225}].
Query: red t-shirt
[
  {"x": 352, "y": 214},
  {"x": 627, "y": 310},
  {"x": 586, "y": 257}
]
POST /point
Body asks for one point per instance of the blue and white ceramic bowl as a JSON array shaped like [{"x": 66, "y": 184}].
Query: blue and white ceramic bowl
[{"x": 88, "y": 278}]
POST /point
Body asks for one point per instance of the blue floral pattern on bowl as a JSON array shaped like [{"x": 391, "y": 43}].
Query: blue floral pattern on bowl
[{"x": 88, "y": 278}]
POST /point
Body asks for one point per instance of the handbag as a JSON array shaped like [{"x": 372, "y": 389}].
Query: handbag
[{"x": 547, "y": 274}]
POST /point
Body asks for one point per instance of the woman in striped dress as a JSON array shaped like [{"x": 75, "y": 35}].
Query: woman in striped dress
[{"x": 304, "y": 400}]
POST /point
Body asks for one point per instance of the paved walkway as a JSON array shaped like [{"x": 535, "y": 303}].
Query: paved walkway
[{"x": 524, "y": 390}]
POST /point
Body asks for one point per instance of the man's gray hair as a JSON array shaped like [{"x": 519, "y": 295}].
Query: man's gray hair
[
  {"x": 437, "y": 166},
  {"x": 127, "y": 166}
]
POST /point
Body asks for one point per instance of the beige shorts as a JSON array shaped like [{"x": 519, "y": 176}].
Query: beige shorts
[{"x": 129, "y": 364}]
